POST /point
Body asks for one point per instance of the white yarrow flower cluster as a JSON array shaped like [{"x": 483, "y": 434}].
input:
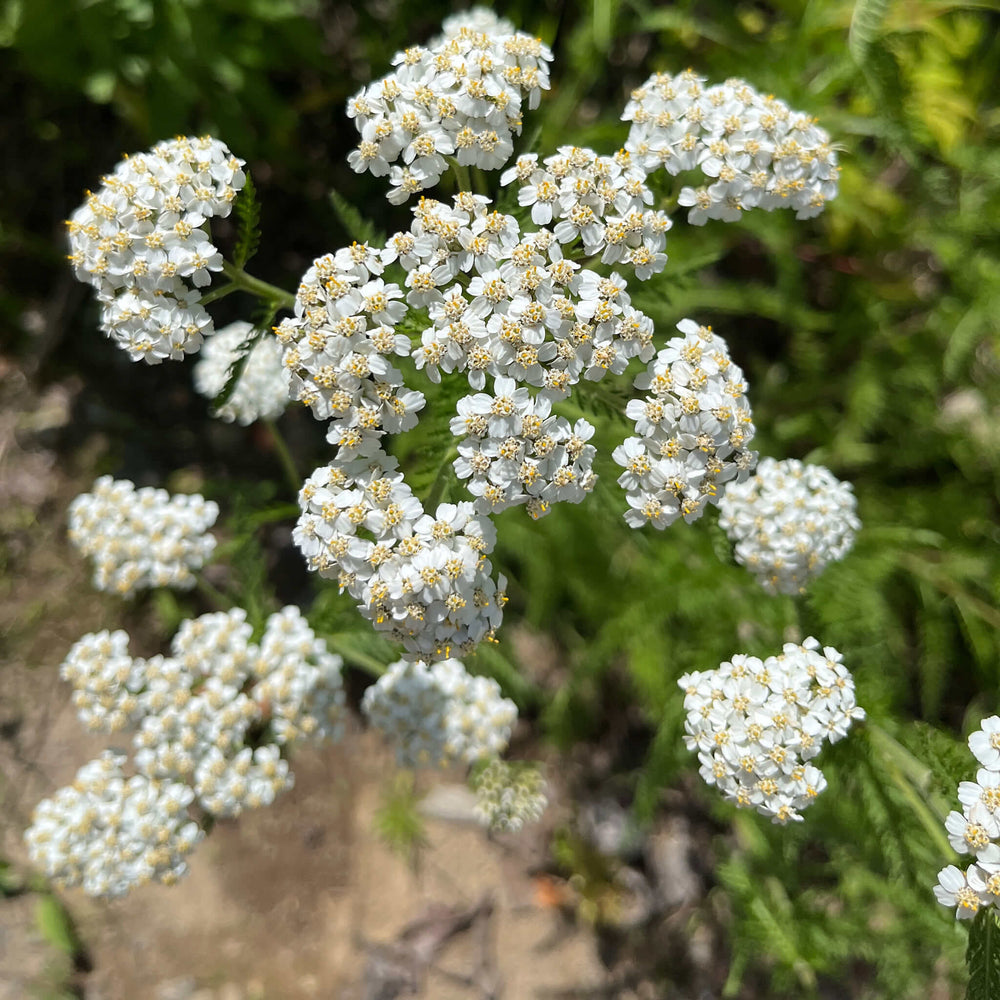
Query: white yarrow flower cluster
[
  {"x": 517, "y": 452},
  {"x": 438, "y": 714},
  {"x": 752, "y": 150},
  {"x": 209, "y": 720},
  {"x": 107, "y": 833},
  {"x": 422, "y": 579},
  {"x": 200, "y": 704},
  {"x": 337, "y": 346},
  {"x": 976, "y": 830},
  {"x": 106, "y": 681},
  {"x": 509, "y": 795},
  {"x": 262, "y": 392},
  {"x": 756, "y": 724},
  {"x": 602, "y": 202},
  {"x": 141, "y": 538},
  {"x": 141, "y": 241},
  {"x": 508, "y": 304},
  {"x": 462, "y": 96},
  {"x": 789, "y": 522},
  {"x": 693, "y": 426}
]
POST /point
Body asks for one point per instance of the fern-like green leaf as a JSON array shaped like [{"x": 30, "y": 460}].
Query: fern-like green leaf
[
  {"x": 262, "y": 324},
  {"x": 983, "y": 956},
  {"x": 248, "y": 219},
  {"x": 357, "y": 227},
  {"x": 866, "y": 27}
]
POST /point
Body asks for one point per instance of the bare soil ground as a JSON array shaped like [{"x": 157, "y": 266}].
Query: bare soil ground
[{"x": 300, "y": 900}]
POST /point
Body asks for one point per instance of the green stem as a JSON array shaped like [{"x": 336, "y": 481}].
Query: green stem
[
  {"x": 479, "y": 181},
  {"x": 912, "y": 777},
  {"x": 292, "y": 475},
  {"x": 283, "y": 512},
  {"x": 218, "y": 293},
  {"x": 437, "y": 487},
  {"x": 214, "y": 595},
  {"x": 346, "y": 649},
  {"x": 462, "y": 178},
  {"x": 248, "y": 283}
]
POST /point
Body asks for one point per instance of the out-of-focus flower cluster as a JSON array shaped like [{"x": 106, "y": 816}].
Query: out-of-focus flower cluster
[
  {"x": 509, "y": 795},
  {"x": 976, "y": 830},
  {"x": 601, "y": 202},
  {"x": 423, "y": 579},
  {"x": 261, "y": 393},
  {"x": 141, "y": 538},
  {"x": 753, "y": 150},
  {"x": 107, "y": 833},
  {"x": 209, "y": 721},
  {"x": 756, "y": 724},
  {"x": 788, "y": 522},
  {"x": 460, "y": 96},
  {"x": 693, "y": 426},
  {"x": 437, "y": 714},
  {"x": 141, "y": 242}
]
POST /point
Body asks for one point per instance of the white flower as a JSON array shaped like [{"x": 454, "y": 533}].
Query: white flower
[
  {"x": 438, "y": 714},
  {"x": 141, "y": 538},
  {"x": 966, "y": 891},
  {"x": 107, "y": 833},
  {"x": 752, "y": 150},
  {"x": 755, "y": 724},
  {"x": 106, "y": 681},
  {"x": 209, "y": 722},
  {"x": 789, "y": 522},
  {"x": 693, "y": 426},
  {"x": 462, "y": 95},
  {"x": 985, "y": 743},
  {"x": 137, "y": 237},
  {"x": 336, "y": 350},
  {"x": 423, "y": 580},
  {"x": 599, "y": 200}
]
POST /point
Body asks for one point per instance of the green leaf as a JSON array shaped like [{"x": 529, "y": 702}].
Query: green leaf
[
  {"x": 398, "y": 822},
  {"x": 56, "y": 925},
  {"x": 866, "y": 27},
  {"x": 235, "y": 373},
  {"x": 983, "y": 956},
  {"x": 357, "y": 227},
  {"x": 248, "y": 219}
]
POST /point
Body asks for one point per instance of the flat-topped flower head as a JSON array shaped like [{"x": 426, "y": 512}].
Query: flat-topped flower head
[
  {"x": 107, "y": 833},
  {"x": 515, "y": 451},
  {"x": 337, "y": 346},
  {"x": 693, "y": 427},
  {"x": 596, "y": 203},
  {"x": 438, "y": 714},
  {"x": 789, "y": 522},
  {"x": 209, "y": 723},
  {"x": 421, "y": 578},
  {"x": 756, "y": 724},
  {"x": 141, "y": 241},
  {"x": 460, "y": 96},
  {"x": 751, "y": 150},
  {"x": 508, "y": 795},
  {"x": 141, "y": 538}
]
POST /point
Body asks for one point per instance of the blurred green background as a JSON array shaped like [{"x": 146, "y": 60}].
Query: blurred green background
[{"x": 870, "y": 338}]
